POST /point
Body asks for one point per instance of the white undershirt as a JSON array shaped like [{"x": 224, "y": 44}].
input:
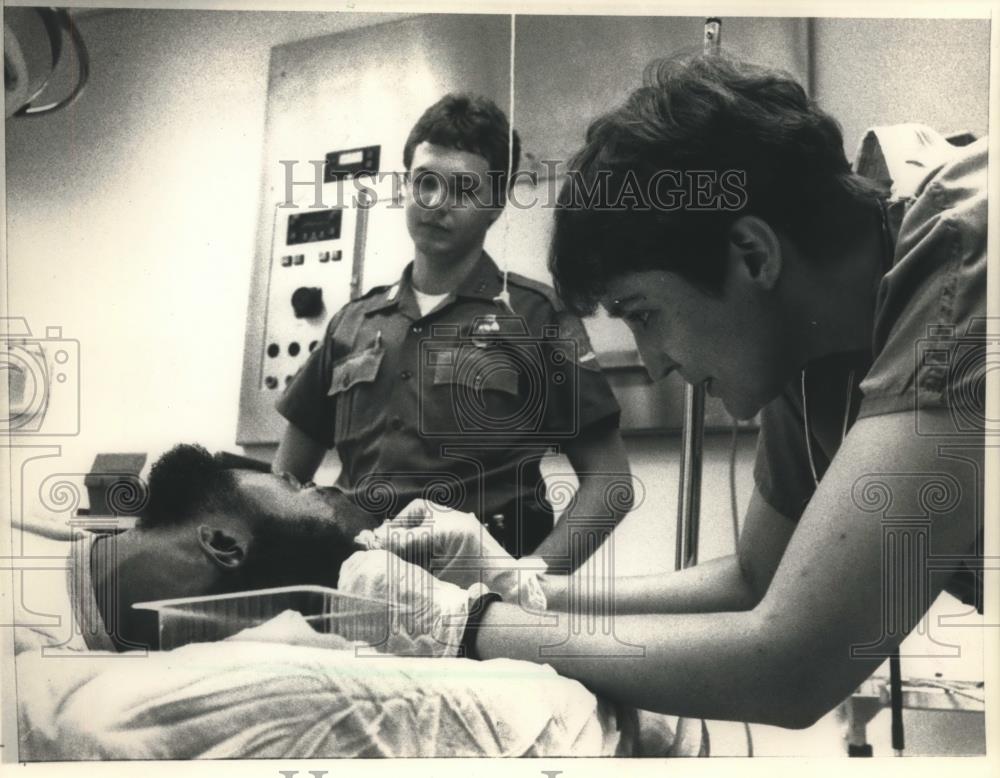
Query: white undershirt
[{"x": 427, "y": 302}]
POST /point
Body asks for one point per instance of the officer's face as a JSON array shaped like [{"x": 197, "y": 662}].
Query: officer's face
[
  {"x": 448, "y": 201},
  {"x": 734, "y": 342}
]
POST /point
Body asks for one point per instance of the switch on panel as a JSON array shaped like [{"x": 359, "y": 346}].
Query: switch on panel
[{"x": 307, "y": 302}]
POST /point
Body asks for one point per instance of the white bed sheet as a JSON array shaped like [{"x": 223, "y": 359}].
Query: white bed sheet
[
  {"x": 281, "y": 691},
  {"x": 250, "y": 699}
]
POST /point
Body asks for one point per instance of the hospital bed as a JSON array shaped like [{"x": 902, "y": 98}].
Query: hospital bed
[
  {"x": 257, "y": 699},
  {"x": 278, "y": 690}
]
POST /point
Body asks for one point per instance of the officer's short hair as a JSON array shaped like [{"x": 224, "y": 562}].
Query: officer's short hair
[
  {"x": 471, "y": 123},
  {"x": 708, "y": 114}
]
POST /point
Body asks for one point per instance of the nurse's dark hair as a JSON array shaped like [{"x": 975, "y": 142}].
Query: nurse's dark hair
[
  {"x": 187, "y": 482},
  {"x": 472, "y": 123},
  {"x": 700, "y": 114}
]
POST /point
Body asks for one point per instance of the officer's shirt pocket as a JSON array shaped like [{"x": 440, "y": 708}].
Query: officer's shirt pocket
[
  {"x": 477, "y": 391},
  {"x": 352, "y": 385}
]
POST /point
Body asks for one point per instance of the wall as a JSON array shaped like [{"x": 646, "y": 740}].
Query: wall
[
  {"x": 131, "y": 219},
  {"x": 591, "y": 62},
  {"x": 866, "y": 71}
]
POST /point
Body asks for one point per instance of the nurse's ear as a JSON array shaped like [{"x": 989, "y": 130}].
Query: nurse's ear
[{"x": 756, "y": 251}]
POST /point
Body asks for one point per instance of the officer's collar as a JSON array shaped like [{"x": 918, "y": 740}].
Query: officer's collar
[
  {"x": 391, "y": 296},
  {"x": 483, "y": 282}
]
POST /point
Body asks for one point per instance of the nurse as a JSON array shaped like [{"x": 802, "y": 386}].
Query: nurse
[{"x": 854, "y": 325}]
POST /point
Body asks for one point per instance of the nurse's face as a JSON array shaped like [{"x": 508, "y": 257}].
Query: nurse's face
[
  {"x": 447, "y": 201},
  {"x": 734, "y": 342}
]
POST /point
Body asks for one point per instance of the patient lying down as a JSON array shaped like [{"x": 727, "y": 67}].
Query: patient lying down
[
  {"x": 274, "y": 690},
  {"x": 209, "y": 529}
]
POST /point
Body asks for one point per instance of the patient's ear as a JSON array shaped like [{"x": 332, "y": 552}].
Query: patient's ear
[{"x": 222, "y": 547}]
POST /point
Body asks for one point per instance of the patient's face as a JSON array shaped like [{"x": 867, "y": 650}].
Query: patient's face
[
  {"x": 282, "y": 495},
  {"x": 301, "y": 535}
]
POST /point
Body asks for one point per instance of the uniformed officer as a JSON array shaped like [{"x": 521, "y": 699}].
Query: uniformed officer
[{"x": 452, "y": 383}]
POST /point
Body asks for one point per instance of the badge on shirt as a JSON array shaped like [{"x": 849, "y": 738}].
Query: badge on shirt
[
  {"x": 486, "y": 325},
  {"x": 484, "y": 330}
]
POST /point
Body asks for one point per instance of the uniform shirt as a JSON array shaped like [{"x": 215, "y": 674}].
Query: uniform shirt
[
  {"x": 928, "y": 344},
  {"x": 457, "y": 406}
]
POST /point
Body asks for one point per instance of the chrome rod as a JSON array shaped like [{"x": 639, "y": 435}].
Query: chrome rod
[
  {"x": 692, "y": 440},
  {"x": 689, "y": 493}
]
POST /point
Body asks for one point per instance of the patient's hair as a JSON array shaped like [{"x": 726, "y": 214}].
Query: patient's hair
[
  {"x": 470, "y": 123},
  {"x": 702, "y": 114},
  {"x": 188, "y": 481}
]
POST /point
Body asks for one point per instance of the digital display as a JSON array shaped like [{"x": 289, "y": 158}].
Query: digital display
[
  {"x": 313, "y": 226},
  {"x": 351, "y": 157},
  {"x": 348, "y": 163}
]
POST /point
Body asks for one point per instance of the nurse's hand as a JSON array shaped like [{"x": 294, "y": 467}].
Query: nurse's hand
[
  {"x": 457, "y": 548},
  {"x": 432, "y": 614}
]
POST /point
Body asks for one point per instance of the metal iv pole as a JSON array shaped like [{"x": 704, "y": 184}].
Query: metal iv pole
[{"x": 689, "y": 502}]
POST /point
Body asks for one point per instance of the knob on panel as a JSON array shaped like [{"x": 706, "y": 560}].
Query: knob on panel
[{"x": 307, "y": 302}]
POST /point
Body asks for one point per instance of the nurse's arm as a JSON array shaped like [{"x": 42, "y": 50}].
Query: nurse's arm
[
  {"x": 732, "y": 583},
  {"x": 795, "y": 656},
  {"x": 298, "y": 454},
  {"x": 597, "y": 456}
]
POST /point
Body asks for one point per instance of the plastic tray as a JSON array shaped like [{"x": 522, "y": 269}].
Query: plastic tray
[{"x": 203, "y": 619}]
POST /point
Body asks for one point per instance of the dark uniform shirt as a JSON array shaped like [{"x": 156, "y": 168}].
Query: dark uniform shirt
[
  {"x": 457, "y": 406},
  {"x": 929, "y": 341}
]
